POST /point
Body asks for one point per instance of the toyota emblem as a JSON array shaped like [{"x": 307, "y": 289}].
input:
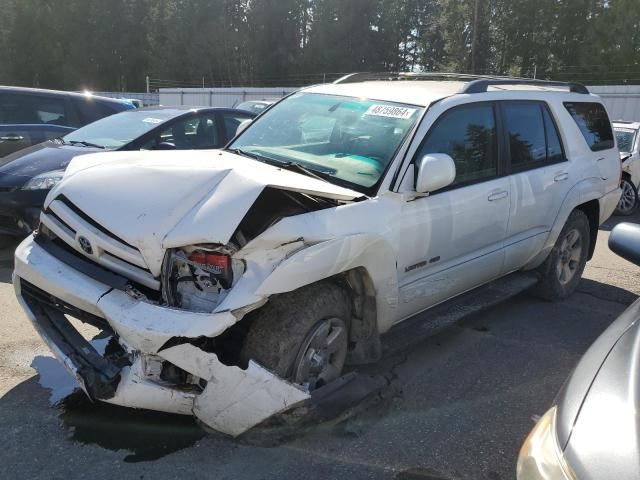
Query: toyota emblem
[{"x": 85, "y": 245}]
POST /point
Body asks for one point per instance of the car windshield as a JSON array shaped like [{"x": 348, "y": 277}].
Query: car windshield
[
  {"x": 119, "y": 129},
  {"x": 349, "y": 140},
  {"x": 625, "y": 138}
]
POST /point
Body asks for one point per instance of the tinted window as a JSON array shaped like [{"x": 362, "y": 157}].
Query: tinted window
[
  {"x": 468, "y": 135},
  {"x": 554, "y": 144},
  {"x": 92, "y": 109},
  {"x": 50, "y": 110},
  {"x": 594, "y": 124},
  {"x": 17, "y": 109},
  {"x": 189, "y": 133},
  {"x": 525, "y": 130},
  {"x": 231, "y": 123}
]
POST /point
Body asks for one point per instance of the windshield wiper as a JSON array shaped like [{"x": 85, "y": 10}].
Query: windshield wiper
[
  {"x": 83, "y": 143},
  {"x": 287, "y": 165},
  {"x": 298, "y": 167},
  {"x": 244, "y": 153}
]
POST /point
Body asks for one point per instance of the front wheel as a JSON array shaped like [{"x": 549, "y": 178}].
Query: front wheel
[
  {"x": 561, "y": 271},
  {"x": 629, "y": 198},
  {"x": 303, "y": 335}
]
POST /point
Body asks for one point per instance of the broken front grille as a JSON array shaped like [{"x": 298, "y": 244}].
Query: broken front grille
[{"x": 88, "y": 239}]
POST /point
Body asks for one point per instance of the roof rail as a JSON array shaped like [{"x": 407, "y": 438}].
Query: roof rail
[
  {"x": 372, "y": 76},
  {"x": 481, "y": 85},
  {"x": 477, "y": 83}
]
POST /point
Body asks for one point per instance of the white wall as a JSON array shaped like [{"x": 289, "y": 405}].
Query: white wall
[
  {"x": 219, "y": 97},
  {"x": 622, "y": 101}
]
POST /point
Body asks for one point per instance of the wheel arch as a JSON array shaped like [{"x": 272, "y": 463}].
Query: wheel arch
[
  {"x": 592, "y": 210},
  {"x": 365, "y": 265}
]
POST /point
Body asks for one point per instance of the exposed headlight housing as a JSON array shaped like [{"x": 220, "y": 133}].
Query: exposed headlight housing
[
  {"x": 541, "y": 457},
  {"x": 44, "y": 181},
  {"x": 198, "y": 277}
]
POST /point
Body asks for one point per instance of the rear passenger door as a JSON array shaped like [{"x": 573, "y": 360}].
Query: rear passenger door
[{"x": 539, "y": 180}]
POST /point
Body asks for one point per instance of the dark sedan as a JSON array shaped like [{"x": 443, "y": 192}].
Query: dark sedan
[
  {"x": 27, "y": 176},
  {"x": 593, "y": 430},
  {"x": 31, "y": 115}
]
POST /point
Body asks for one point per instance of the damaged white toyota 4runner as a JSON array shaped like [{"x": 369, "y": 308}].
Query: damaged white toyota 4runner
[{"x": 236, "y": 283}]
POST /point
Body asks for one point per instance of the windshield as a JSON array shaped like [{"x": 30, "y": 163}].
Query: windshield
[
  {"x": 351, "y": 140},
  {"x": 625, "y": 138},
  {"x": 117, "y": 130}
]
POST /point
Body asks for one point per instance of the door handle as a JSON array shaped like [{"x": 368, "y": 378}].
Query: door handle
[
  {"x": 560, "y": 177},
  {"x": 12, "y": 138},
  {"x": 499, "y": 195}
]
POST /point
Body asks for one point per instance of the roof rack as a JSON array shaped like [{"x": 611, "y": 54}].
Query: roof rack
[
  {"x": 476, "y": 83},
  {"x": 481, "y": 85}
]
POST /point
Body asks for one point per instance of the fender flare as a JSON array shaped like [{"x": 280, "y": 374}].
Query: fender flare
[
  {"x": 579, "y": 194},
  {"x": 332, "y": 257}
]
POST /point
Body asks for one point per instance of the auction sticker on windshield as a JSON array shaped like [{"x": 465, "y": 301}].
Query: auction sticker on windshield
[{"x": 390, "y": 111}]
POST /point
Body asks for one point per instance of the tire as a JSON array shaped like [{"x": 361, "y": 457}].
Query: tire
[
  {"x": 629, "y": 200},
  {"x": 286, "y": 335},
  {"x": 7, "y": 241},
  {"x": 561, "y": 271}
]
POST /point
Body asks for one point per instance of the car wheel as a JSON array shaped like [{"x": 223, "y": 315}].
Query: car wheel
[
  {"x": 629, "y": 198},
  {"x": 302, "y": 336},
  {"x": 561, "y": 271}
]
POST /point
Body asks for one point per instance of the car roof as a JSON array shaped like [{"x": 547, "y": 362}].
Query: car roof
[
  {"x": 36, "y": 91},
  {"x": 186, "y": 108},
  {"x": 626, "y": 124},
  {"x": 409, "y": 89}
]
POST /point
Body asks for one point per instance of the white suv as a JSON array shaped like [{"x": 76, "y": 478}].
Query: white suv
[
  {"x": 237, "y": 282},
  {"x": 627, "y": 139}
]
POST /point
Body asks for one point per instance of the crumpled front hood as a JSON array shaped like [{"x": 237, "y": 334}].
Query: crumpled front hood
[{"x": 158, "y": 200}]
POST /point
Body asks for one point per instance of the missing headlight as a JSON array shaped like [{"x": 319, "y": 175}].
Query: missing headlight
[{"x": 197, "y": 278}]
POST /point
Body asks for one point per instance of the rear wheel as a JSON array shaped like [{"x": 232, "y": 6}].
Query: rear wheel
[
  {"x": 629, "y": 198},
  {"x": 561, "y": 271},
  {"x": 303, "y": 335}
]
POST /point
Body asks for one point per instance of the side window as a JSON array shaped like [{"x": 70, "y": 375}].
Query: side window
[
  {"x": 50, "y": 110},
  {"x": 525, "y": 131},
  {"x": 18, "y": 109},
  {"x": 468, "y": 135},
  {"x": 593, "y": 121},
  {"x": 555, "y": 153},
  {"x": 231, "y": 123},
  {"x": 187, "y": 134}
]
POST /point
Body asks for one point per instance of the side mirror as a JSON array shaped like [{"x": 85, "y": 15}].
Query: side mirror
[
  {"x": 435, "y": 171},
  {"x": 243, "y": 126},
  {"x": 165, "y": 146},
  {"x": 624, "y": 240}
]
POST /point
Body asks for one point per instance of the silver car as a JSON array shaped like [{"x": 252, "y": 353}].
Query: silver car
[{"x": 593, "y": 431}]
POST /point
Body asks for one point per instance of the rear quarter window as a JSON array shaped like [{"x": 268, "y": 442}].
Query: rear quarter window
[
  {"x": 593, "y": 122},
  {"x": 92, "y": 109}
]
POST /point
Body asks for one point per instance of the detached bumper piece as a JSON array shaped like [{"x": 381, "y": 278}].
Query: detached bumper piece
[{"x": 98, "y": 376}]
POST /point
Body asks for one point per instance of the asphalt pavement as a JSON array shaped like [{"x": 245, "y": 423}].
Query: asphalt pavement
[{"x": 458, "y": 406}]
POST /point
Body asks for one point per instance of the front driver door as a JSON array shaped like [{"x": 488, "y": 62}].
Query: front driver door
[{"x": 453, "y": 240}]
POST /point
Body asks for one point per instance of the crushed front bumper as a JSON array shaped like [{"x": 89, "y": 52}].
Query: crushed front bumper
[{"x": 230, "y": 399}]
